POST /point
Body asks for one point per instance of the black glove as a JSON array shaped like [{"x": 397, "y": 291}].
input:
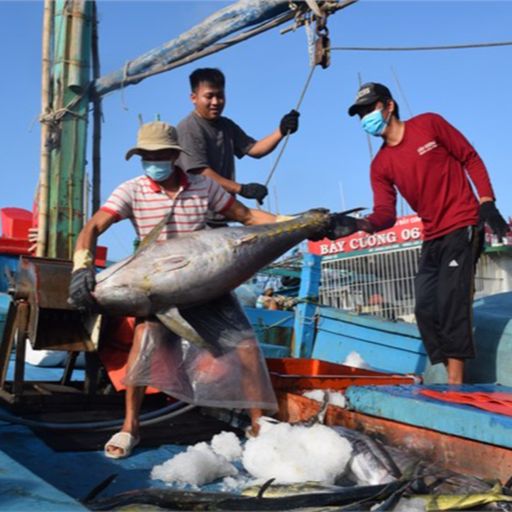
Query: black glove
[
  {"x": 317, "y": 237},
  {"x": 82, "y": 284},
  {"x": 289, "y": 123},
  {"x": 490, "y": 215},
  {"x": 254, "y": 191},
  {"x": 340, "y": 226}
]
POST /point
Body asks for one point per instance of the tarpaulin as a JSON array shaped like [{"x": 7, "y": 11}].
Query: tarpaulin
[{"x": 500, "y": 403}]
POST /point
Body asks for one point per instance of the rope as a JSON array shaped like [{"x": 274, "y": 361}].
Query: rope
[
  {"x": 283, "y": 147},
  {"x": 308, "y": 320},
  {"x": 310, "y": 37},
  {"x": 419, "y": 48},
  {"x": 56, "y": 115}
]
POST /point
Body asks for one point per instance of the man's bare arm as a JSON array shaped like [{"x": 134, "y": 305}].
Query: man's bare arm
[
  {"x": 266, "y": 145},
  {"x": 96, "y": 225},
  {"x": 248, "y": 216},
  {"x": 228, "y": 185}
]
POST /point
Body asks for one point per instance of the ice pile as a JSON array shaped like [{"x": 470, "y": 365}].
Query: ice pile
[{"x": 287, "y": 453}]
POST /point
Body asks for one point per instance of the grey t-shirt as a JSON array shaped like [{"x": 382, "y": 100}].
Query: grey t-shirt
[{"x": 212, "y": 144}]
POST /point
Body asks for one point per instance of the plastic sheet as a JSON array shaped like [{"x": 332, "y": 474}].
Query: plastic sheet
[{"x": 236, "y": 377}]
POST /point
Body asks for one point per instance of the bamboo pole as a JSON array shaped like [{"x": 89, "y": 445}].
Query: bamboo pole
[
  {"x": 46, "y": 95},
  {"x": 70, "y": 107},
  {"x": 96, "y": 130},
  {"x": 74, "y": 181}
]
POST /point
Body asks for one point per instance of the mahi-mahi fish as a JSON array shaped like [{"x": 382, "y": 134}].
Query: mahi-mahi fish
[{"x": 194, "y": 268}]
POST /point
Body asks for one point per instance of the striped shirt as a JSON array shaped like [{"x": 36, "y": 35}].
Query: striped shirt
[{"x": 145, "y": 203}]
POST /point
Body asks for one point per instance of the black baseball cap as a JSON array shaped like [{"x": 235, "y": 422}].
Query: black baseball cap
[{"x": 369, "y": 93}]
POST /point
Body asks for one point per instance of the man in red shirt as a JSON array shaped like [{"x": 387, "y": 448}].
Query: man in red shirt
[{"x": 431, "y": 164}]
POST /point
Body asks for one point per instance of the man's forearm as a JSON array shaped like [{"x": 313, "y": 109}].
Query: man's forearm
[
  {"x": 260, "y": 217},
  {"x": 228, "y": 185},
  {"x": 365, "y": 225},
  {"x": 87, "y": 239},
  {"x": 248, "y": 216},
  {"x": 96, "y": 225},
  {"x": 264, "y": 146}
]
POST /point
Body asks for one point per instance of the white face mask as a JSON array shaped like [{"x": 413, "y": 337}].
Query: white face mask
[{"x": 159, "y": 170}]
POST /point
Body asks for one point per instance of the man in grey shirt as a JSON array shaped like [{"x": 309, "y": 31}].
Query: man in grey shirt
[{"x": 213, "y": 140}]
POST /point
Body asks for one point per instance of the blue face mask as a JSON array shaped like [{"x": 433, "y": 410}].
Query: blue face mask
[
  {"x": 374, "y": 123},
  {"x": 158, "y": 171}
]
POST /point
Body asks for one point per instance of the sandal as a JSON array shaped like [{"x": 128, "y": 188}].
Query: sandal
[{"x": 124, "y": 441}]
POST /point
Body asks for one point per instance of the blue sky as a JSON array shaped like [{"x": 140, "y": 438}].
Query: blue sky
[{"x": 326, "y": 163}]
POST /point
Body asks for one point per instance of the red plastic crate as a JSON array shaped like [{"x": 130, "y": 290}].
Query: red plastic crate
[{"x": 299, "y": 374}]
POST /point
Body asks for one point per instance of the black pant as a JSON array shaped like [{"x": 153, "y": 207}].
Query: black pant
[{"x": 444, "y": 289}]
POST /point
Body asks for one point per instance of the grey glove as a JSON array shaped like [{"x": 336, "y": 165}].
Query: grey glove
[
  {"x": 289, "y": 123},
  {"x": 81, "y": 286},
  {"x": 254, "y": 191},
  {"x": 340, "y": 226},
  {"x": 490, "y": 215}
]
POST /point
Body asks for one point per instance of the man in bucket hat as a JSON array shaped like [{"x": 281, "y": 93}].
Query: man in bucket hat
[
  {"x": 431, "y": 164},
  {"x": 164, "y": 190}
]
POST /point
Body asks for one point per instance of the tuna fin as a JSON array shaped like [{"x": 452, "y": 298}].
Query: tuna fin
[
  {"x": 172, "y": 319},
  {"x": 152, "y": 236}
]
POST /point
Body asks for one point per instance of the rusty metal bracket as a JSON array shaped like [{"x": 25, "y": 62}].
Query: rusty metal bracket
[
  {"x": 40, "y": 315},
  {"x": 52, "y": 323}
]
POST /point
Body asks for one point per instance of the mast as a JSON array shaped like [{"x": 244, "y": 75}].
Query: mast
[
  {"x": 68, "y": 121},
  {"x": 46, "y": 100}
]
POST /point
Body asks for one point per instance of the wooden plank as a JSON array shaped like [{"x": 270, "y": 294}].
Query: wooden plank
[
  {"x": 384, "y": 345},
  {"x": 405, "y": 404},
  {"x": 403, "y": 328},
  {"x": 381, "y": 357},
  {"x": 455, "y": 453},
  {"x": 371, "y": 333},
  {"x": 466, "y": 456}
]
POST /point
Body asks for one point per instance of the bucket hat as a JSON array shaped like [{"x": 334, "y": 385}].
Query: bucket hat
[{"x": 154, "y": 136}]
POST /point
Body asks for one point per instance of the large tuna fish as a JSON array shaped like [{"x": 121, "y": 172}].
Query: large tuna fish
[{"x": 195, "y": 268}]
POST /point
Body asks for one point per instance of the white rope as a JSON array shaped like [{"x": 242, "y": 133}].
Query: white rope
[{"x": 311, "y": 39}]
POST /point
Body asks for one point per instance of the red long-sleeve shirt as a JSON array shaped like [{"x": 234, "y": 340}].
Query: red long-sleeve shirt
[{"x": 431, "y": 168}]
